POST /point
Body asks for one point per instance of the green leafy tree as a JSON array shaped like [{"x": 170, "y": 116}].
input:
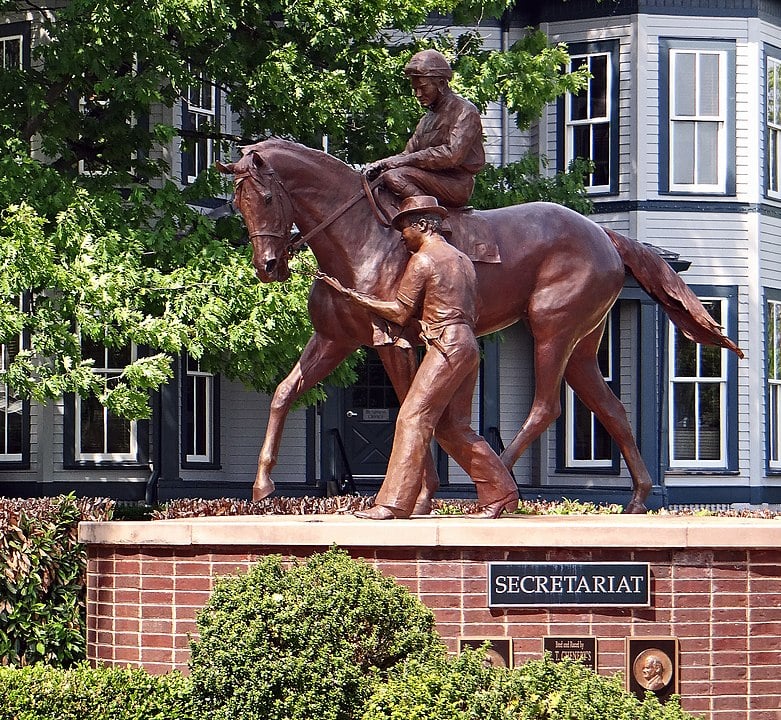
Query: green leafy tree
[{"x": 119, "y": 256}]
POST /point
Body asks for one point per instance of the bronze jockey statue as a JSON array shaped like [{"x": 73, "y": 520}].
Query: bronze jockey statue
[{"x": 446, "y": 150}]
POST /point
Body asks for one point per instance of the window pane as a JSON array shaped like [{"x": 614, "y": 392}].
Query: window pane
[
  {"x": 91, "y": 425},
  {"x": 602, "y": 442},
  {"x": 708, "y": 153},
  {"x": 777, "y": 341},
  {"x": 601, "y": 154},
  {"x": 709, "y": 84},
  {"x": 118, "y": 439},
  {"x": 710, "y": 421},
  {"x": 684, "y": 84},
  {"x": 683, "y": 153},
  {"x": 581, "y": 145},
  {"x": 14, "y": 429},
  {"x": 582, "y": 431},
  {"x": 202, "y": 407},
  {"x": 772, "y": 160},
  {"x": 90, "y": 350},
  {"x": 685, "y": 356},
  {"x": 775, "y": 422},
  {"x": 579, "y": 102},
  {"x": 118, "y": 358},
  {"x": 683, "y": 413},
  {"x": 710, "y": 361},
  {"x": 599, "y": 86}
]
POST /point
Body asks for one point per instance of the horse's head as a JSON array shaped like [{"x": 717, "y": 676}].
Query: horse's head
[{"x": 265, "y": 206}]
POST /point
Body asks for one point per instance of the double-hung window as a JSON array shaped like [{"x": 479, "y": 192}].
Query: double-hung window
[
  {"x": 590, "y": 127},
  {"x": 773, "y": 125},
  {"x": 200, "y": 115},
  {"x": 588, "y": 115},
  {"x": 11, "y": 52},
  {"x": 698, "y": 116},
  {"x": 587, "y": 445},
  {"x": 101, "y": 436},
  {"x": 698, "y": 418},
  {"x": 200, "y": 397}
]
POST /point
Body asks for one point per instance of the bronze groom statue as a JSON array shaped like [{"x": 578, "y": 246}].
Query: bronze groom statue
[{"x": 439, "y": 288}]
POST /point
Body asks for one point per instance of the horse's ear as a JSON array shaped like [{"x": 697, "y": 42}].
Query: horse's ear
[
  {"x": 257, "y": 159},
  {"x": 225, "y": 168}
]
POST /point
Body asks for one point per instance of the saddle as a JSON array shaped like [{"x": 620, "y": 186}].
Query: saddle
[
  {"x": 464, "y": 229},
  {"x": 476, "y": 241}
]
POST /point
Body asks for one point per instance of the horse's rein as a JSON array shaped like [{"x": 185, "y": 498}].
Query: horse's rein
[
  {"x": 298, "y": 240},
  {"x": 366, "y": 189}
]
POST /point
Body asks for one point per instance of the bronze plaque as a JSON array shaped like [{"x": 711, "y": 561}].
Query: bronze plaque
[
  {"x": 582, "y": 648},
  {"x": 652, "y": 666},
  {"x": 500, "y": 649}
]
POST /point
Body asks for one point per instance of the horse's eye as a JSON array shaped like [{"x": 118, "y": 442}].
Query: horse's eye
[{"x": 267, "y": 197}]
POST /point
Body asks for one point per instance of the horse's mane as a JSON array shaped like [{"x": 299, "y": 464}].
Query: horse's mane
[{"x": 289, "y": 147}]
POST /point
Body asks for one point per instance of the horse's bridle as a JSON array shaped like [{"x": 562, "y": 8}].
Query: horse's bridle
[
  {"x": 298, "y": 240},
  {"x": 268, "y": 195}
]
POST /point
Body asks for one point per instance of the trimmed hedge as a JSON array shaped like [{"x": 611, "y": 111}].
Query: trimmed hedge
[
  {"x": 466, "y": 687},
  {"x": 41, "y": 692},
  {"x": 42, "y": 567},
  {"x": 304, "y": 641}
]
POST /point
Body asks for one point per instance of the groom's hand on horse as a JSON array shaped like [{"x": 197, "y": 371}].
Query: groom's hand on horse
[{"x": 332, "y": 281}]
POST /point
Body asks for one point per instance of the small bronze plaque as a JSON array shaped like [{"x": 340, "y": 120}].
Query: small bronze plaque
[
  {"x": 500, "y": 649},
  {"x": 581, "y": 648},
  {"x": 652, "y": 665}
]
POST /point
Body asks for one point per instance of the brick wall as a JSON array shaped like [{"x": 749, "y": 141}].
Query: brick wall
[{"x": 723, "y": 604}]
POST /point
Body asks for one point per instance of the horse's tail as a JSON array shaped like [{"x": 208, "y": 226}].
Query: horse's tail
[{"x": 659, "y": 280}]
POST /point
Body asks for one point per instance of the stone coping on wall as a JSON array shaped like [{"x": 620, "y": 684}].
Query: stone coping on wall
[{"x": 526, "y": 531}]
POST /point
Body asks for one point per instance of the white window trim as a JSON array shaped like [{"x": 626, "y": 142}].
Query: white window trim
[
  {"x": 207, "y": 414},
  {"x": 570, "y": 124},
  {"x": 571, "y": 399},
  {"x": 108, "y": 457},
  {"x": 695, "y": 464},
  {"x": 773, "y": 129},
  {"x": 721, "y": 119}
]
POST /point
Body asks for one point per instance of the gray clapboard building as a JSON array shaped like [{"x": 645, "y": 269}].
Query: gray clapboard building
[{"x": 682, "y": 118}]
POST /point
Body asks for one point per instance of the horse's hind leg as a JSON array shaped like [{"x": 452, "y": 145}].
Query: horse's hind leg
[
  {"x": 401, "y": 366},
  {"x": 550, "y": 357},
  {"x": 585, "y": 378},
  {"x": 320, "y": 356}
]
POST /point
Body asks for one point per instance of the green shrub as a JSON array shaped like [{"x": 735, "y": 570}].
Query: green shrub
[
  {"x": 304, "y": 642},
  {"x": 42, "y": 567},
  {"x": 465, "y": 687},
  {"x": 41, "y": 692}
]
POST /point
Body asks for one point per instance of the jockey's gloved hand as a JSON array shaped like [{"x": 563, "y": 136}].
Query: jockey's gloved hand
[{"x": 374, "y": 170}]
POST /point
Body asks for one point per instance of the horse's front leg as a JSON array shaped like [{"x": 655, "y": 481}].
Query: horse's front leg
[{"x": 321, "y": 355}]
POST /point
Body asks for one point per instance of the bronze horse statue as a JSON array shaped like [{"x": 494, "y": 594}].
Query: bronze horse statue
[{"x": 559, "y": 272}]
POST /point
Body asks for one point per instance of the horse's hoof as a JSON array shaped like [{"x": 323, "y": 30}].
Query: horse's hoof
[
  {"x": 262, "y": 490},
  {"x": 379, "y": 512},
  {"x": 422, "y": 507},
  {"x": 635, "y": 508}
]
